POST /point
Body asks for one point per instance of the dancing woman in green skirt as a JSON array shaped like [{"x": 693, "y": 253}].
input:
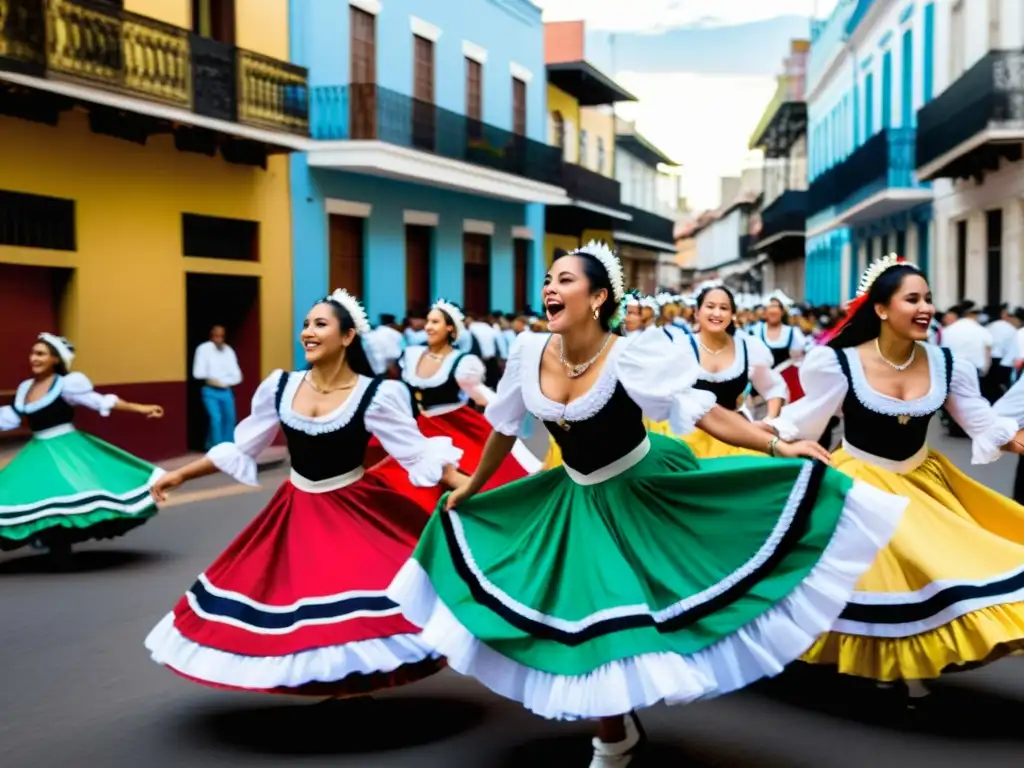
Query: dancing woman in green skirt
[
  {"x": 634, "y": 573},
  {"x": 66, "y": 486}
]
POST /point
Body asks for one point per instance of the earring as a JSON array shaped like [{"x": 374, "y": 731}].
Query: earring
[
  {"x": 885, "y": 317},
  {"x": 597, "y": 314}
]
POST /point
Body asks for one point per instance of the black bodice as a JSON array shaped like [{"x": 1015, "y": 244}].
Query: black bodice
[
  {"x": 56, "y": 414},
  {"x": 605, "y": 437},
  {"x": 728, "y": 393},
  {"x": 896, "y": 438},
  {"x": 329, "y": 454},
  {"x": 446, "y": 393},
  {"x": 779, "y": 356}
]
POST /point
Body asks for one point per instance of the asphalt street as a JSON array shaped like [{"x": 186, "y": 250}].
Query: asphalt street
[{"x": 78, "y": 689}]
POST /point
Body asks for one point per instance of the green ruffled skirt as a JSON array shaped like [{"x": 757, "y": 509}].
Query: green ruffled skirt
[
  {"x": 675, "y": 580},
  {"x": 72, "y": 488}
]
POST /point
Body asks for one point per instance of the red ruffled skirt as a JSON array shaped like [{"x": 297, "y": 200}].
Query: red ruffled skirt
[
  {"x": 296, "y": 604},
  {"x": 791, "y": 375},
  {"x": 469, "y": 431}
]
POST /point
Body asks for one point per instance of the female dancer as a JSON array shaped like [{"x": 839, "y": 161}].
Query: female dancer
[
  {"x": 566, "y": 591},
  {"x": 729, "y": 363},
  {"x": 947, "y": 590},
  {"x": 786, "y": 342},
  {"x": 439, "y": 378},
  {"x": 66, "y": 486},
  {"x": 296, "y": 603}
]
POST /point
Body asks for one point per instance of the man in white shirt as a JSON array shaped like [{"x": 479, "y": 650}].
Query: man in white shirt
[
  {"x": 216, "y": 366},
  {"x": 483, "y": 342},
  {"x": 387, "y": 343},
  {"x": 1005, "y": 352},
  {"x": 967, "y": 339}
]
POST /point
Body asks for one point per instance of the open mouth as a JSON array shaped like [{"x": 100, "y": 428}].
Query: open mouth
[
  {"x": 554, "y": 309},
  {"x": 922, "y": 322},
  {"x": 310, "y": 345}
]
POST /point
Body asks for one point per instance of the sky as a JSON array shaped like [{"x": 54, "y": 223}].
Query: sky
[{"x": 704, "y": 121}]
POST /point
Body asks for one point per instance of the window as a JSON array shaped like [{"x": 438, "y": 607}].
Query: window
[
  {"x": 474, "y": 90},
  {"x": 214, "y": 19},
  {"x": 887, "y": 89},
  {"x": 957, "y": 40},
  {"x": 36, "y": 221},
  {"x": 869, "y": 106},
  {"x": 518, "y": 106},
  {"x": 557, "y": 130},
  {"x": 362, "y": 74},
  {"x": 907, "y": 86},
  {"x": 961, "y": 260},
  {"x": 423, "y": 69},
  {"x": 929, "y": 52},
  {"x": 994, "y": 8},
  {"x": 600, "y": 154},
  {"x": 584, "y": 153},
  {"x": 213, "y": 237},
  {"x": 994, "y": 256}
]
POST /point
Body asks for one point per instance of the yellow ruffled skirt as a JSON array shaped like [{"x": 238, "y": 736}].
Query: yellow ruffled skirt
[{"x": 948, "y": 590}]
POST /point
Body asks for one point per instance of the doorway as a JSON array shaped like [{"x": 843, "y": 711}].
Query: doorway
[
  {"x": 234, "y": 302},
  {"x": 994, "y": 257},
  {"x": 521, "y": 253},
  {"x": 476, "y": 273},
  {"x": 418, "y": 242},
  {"x": 346, "y": 254}
]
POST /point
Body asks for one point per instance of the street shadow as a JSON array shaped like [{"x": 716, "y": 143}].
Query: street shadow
[
  {"x": 336, "y": 728},
  {"x": 86, "y": 561},
  {"x": 952, "y": 712},
  {"x": 577, "y": 750}
]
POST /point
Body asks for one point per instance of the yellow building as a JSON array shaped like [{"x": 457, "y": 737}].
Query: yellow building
[
  {"x": 145, "y": 197},
  {"x": 581, "y": 121}
]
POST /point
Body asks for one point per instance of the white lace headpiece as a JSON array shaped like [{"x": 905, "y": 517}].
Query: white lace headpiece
[
  {"x": 611, "y": 264},
  {"x": 65, "y": 349},
  {"x": 650, "y": 302},
  {"x": 781, "y": 297},
  {"x": 458, "y": 319},
  {"x": 355, "y": 310},
  {"x": 875, "y": 270}
]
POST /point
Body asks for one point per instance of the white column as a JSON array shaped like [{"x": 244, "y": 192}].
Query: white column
[
  {"x": 1013, "y": 247},
  {"x": 913, "y": 248},
  {"x": 977, "y": 266},
  {"x": 845, "y": 290}
]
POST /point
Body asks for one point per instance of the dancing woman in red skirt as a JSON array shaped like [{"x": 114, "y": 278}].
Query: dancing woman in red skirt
[
  {"x": 444, "y": 384},
  {"x": 296, "y": 603}
]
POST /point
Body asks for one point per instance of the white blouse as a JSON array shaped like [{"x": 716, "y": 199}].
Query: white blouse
[
  {"x": 768, "y": 382},
  {"x": 74, "y": 389},
  {"x": 1011, "y": 405},
  {"x": 469, "y": 373},
  {"x": 825, "y": 387},
  {"x": 657, "y": 374},
  {"x": 388, "y": 417},
  {"x": 797, "y": 343}
]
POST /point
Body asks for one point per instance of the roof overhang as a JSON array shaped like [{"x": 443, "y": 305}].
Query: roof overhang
[
  {"x": 587, "y": 84},
  {"x": 641, "y": 148},
  {"x": 378, "y": 158},
  {"x": 644, "y": 242},
  {"x": 885, "y": 203}
]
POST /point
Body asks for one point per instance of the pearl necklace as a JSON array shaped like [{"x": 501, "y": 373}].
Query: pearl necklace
[
  {"x": 891, "y": 364},
  {"x": 709, "y": 350},
  {"x": 575, "y": 371}
]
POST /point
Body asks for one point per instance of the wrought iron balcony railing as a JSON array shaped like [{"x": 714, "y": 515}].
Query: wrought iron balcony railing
[
  {"x": 113, "y": 49},
  {"x": 988, "y": 95},
  {"x": 885, "y": 161},
  {"x": 584, "y": 184},
  {"x": 649, "y": 225},
  {"x": 788, "y": 213},
  {"x": 365, "y": 111}
]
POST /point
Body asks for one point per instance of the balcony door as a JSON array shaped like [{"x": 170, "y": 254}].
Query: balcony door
[
  {"x": 346, "y": 244},
  {"x": 362, "y": 74},
  {"x": 476, "y": 272},
  {"x": 214, "y": 19},
  {"x": 520, "y": 279},
  {"x": 994, "y": 257},
  {"x": 424, "y": 115},
  {"x": 418, "y": 241}
]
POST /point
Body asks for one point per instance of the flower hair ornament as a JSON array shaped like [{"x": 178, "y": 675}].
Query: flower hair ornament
[
  {"x": 355, "y": 310},
  {"x": 457, "y": 318},
  {"x": 64, "y": 348},
  {"x": 874, "y": 271}
]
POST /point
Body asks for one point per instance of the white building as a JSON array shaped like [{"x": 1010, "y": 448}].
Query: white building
[
  {"x": 723, "y": 246},
  {"x": 970, "y": 142},
  {"x": 651, "y": 195}
]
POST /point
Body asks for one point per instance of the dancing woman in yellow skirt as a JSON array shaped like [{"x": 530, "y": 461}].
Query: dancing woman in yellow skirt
[{"x": 948, "y": 590}]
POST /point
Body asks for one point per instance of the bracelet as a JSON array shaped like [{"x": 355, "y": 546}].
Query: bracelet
[{"x": 771, "y": 445}]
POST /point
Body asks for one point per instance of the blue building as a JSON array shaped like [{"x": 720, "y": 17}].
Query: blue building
[
  {"x": 870, "y": 70},
  {"x": 429, "y": 168}
]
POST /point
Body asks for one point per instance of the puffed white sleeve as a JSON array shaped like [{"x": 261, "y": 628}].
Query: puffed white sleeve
[
  {"x": 659, "y": 375},
  {"x": 390, "y": 419},
  {"x": 253, "y": 435},
  {"x": 9, "y": 419},
  {"x": 470, "y": 374},
  {"x": 760, "y": 369},
  {"x": 988, "y": 429},
  {"x": 825, "y": 387},
  {"x": 507, "y": 411},
  {"x": 798, "y": 344},
  {"x": 77, "y": 390}
]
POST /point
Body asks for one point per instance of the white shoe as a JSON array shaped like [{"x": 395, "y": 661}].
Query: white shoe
[{"x": 619, "y": 754}]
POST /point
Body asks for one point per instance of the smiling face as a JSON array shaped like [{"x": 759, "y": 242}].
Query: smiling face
[
  {"x": 910, "y": 311},
  {"x": 42, "y": 359},
  {"x": 773, "y": 312},
  {"x": 322, "y": 337},
  {"x": 634, "y": 318},
  {"x": 568, "y": 297},
  {"x": 439, "y": 330},
  {"x": 716, "y": 311}
]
